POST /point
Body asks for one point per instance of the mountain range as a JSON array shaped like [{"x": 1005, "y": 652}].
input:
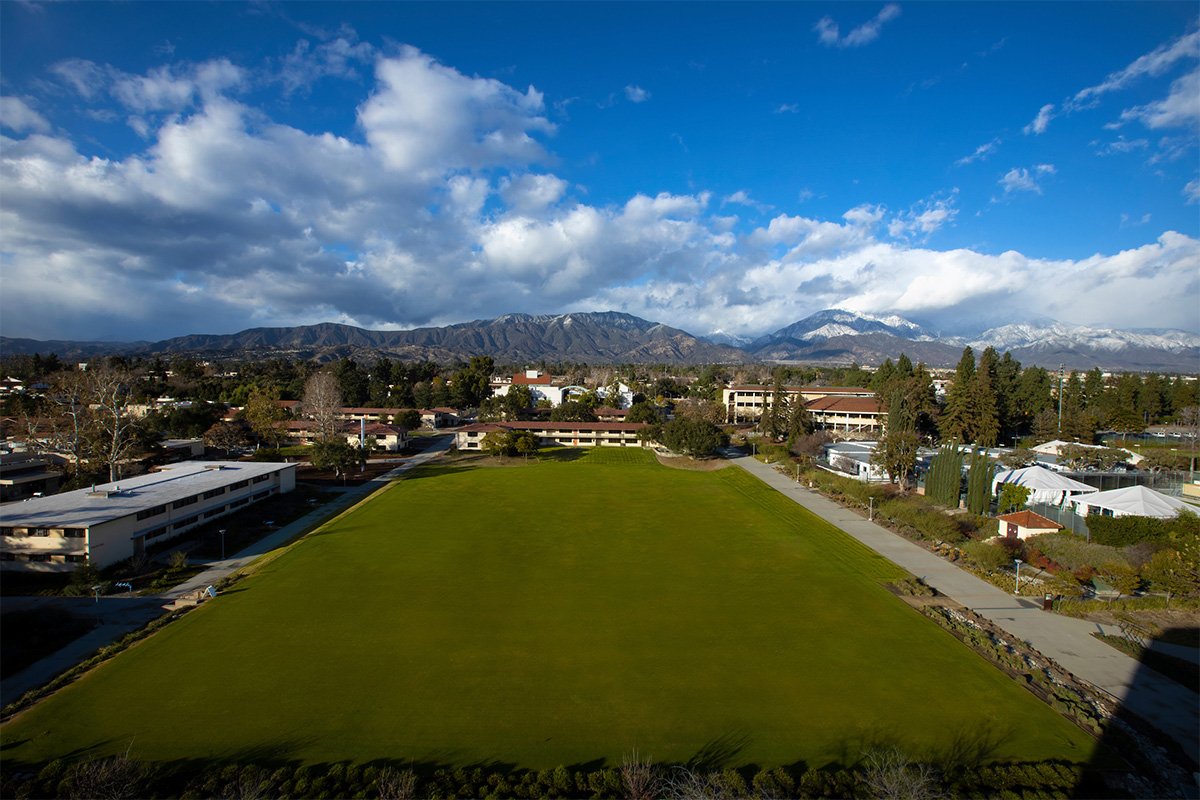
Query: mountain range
[{"x": 831, "y": 337}]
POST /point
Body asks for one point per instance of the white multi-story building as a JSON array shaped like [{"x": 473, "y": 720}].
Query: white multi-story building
[{"x": 114, "y": 521}]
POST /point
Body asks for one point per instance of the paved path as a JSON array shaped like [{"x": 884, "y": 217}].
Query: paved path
[
  {"x": 120, "y": 615},
  {"x": 1166, "y": 704}
]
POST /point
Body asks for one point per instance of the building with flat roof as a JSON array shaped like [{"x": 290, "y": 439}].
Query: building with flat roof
[
  {"x": 114, "y": 521},
  {"x": 567, "y": 434}
]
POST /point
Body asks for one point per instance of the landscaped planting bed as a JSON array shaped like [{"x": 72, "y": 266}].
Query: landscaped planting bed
[{"x": 564, "y": 612}]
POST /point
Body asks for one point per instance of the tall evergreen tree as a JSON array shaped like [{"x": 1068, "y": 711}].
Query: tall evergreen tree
[
  {"x": 955, "y": 421},
  {"x": 979, "y": 483}
]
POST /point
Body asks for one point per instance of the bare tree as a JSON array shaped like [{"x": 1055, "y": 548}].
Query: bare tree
[
  {"x": 112, "y": 425},
  {"x": 322, "y": 403},
  {"x": 396, "y": 784},
  {"x": 638, "y": 777},
  {"x": 686, "y": 783},
  {"x": 71, "y": 396},
  {"x": 890, "y": 775},
  {"x": 113, "y": 778}
]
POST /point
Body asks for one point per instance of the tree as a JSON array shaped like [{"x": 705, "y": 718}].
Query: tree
[
  {"x": 896, "y": 454},
  {"x": 409, "y": 419},
  {"x": 339, "y": 456},
  {"x": 956, "y": 421},
  {"x": 943, "y": 484},
  {"x": 1122, "y": 577},
  {"x": 644, "y": 412},
  {"x": 979, "y": 483},
  {"x": 113, "y": 429},
  {"x": 264, "y": 414},
  {"x": 695, "y": 408},
  {"x": 1073, "y": 455},
  {"x": 322, "y": 404},
  {"x": 1012, "y": 497},
  {"x": 1168, "y": 572},
  {"x": 572, "y": 411},
  {"x": 225, "y": 436},
  {"x": 1015, "y": 459},
  {"x": 352, "y": 383},
  {"x": 526, "y": 443},
  {"x": 692, "y": 437},
  {"x": 1044, "y": 426}
]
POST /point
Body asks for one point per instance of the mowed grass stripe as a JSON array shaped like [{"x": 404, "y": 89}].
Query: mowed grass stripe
[{"x": 559, "y": 612}]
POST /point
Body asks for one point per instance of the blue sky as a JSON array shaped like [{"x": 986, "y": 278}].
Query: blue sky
[{"x": 175, "y": 168}]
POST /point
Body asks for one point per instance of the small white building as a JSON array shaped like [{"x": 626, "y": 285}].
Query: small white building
[
  {"x": 1023, "y": 524},
  {"x": 115, "y": 521}
]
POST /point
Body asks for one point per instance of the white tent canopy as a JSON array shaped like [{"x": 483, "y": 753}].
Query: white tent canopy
[
  {"x": 1047, "y": 486},
  {"x": 1132, "y": 501}
]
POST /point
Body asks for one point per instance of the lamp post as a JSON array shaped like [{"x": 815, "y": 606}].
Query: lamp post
[
  {"x": 1017, "y": 586},
  {"x": 871, "y": 509},
  {"x": 222, "y": 544}
]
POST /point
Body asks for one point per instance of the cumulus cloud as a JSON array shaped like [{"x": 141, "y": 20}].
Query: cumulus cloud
[
  {"x": 1020, "y": 179},
  {"x": 828, "y": 33},
  {"x": 18, "y": 117},
  {"x": 1042, "y": 120},
  {"x": 426, "y": 118},
  {"x": 636, "y": 94},
  {"x": 445, "y": 210}
]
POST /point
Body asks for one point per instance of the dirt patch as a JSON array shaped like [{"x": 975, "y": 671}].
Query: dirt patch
[
  {"x": 692, "y": 464},
  {"x": 327, "y": 478},
  {"x": 1182, "y": 626}
]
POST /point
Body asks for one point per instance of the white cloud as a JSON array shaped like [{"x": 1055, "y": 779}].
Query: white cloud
[
  {"x": 1122, "y": 145},
  {"x": 981, "y": 153},
  {"x": 340, "y": 58},
  {"x": 445, "y": 211},
  {"x": 925, "y": 217},
  {"x": 789, "y": 108},
  {"x": 1042, "y": 120},
  {"x": 1154, "y": 63},
  {"x": 426, "y": 118},
  {"x": 636, "y": 94},
  {"x": 18, "y": 117},
  {"x": 1180, "y": 108},
  {"x": 1019, "y": 179},
  {"x": 1192, "y": 191},
  {"x": 742, "y": 197},
  {"x": 828, "y": 33}
]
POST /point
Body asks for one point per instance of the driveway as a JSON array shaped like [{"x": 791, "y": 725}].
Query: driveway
[{"x": 1164, "y": 703}]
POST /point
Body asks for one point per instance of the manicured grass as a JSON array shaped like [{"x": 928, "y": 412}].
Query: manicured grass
[{"x": 561, "y": 612}]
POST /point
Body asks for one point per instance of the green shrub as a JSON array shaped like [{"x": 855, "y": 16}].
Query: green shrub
[
  {"x": 1124, "y": 531},
  {"x": 987, "y": 555},
  {"x": 1074, "y": 552}
]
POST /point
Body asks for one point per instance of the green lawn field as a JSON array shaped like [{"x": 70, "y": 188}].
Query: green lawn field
[{"x": 563, "y": 612}]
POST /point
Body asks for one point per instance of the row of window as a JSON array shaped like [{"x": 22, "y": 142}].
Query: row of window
[
  {"x": 66, "y": 533},
  {"x": 69, "y": 558}
]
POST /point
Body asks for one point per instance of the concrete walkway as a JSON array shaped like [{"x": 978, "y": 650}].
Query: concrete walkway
[
  {"x": 120, "y": 615},
  {"x": 1162, "y": 702}
]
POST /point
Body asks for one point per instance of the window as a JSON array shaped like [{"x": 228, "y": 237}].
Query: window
[
  {"x": 239, "y": 485},
  {"x": 8, "y": 530},
  {"x": 151, "y": 512},
  {"x": 77, "y": 559},
  {"x": 241, "y": 502},
  {"x": 8, "y": 556},
  {"x": 187, "y": 501},
  {"x": 157, "y": 532},
  {"x": 39, "y": 531},
  {"x": 214, "y": 512},
  {"x": 214, "y": 493},
  {"x": 183, "y": 523},
  {"x": 261, "y": 478},
  {"x": 74, "y": 533},
  {"x": 39, "y": 556}
]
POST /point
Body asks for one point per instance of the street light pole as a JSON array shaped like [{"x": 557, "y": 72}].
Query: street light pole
[
  {"x": 1017, "y": 586},
  {"x": 222, "y": 544}
]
